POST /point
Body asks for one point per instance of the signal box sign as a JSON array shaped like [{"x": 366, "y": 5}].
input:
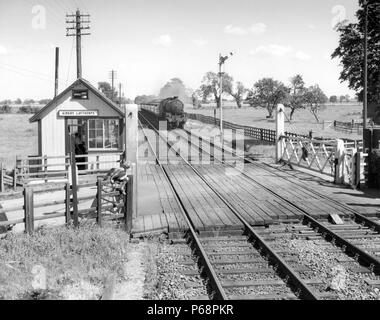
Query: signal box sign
[{"x": 78, "y": 113}]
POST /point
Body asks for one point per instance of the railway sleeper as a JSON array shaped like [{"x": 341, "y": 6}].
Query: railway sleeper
[{"x": 252, "y": 283}]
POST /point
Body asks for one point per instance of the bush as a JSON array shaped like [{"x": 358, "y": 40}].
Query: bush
[
  {"x": 28, "y": 109},
  {"x": 5, "y": 109}
]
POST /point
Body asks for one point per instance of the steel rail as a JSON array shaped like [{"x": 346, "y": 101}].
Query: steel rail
[
  {"x": 363, "y": 257},
  {"x": 192, "y": 238},
  {"x": 304, "y": 291},
  {"x": 361, "y": 218}
]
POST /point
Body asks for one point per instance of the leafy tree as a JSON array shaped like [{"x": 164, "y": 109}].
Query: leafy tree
[
  {"x": 351, "y": 51},
  {"x": 238, "y": 93},
  {"x": 174, "y": 88},
  {"x": 267, "y": 93},
  {"x": 107, "y": 90},
  {"x": 7, "y": 101},
  {"x": 211, "y": 86},
  {"x": 333, "y": 99},
  {"x": 5, "y": 109},
  {"x": 29, "y": 101},
  {"x": 297, "y": 94},
  {"x": 144, "y": 99},
  {"x": 196, "y": 98},
  {"x": 44, "y": 101},
  {"x": 314, "y": 99},
  {"x": 18, "y": 101}
]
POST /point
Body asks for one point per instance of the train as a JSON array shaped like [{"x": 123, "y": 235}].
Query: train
[{"x": 169, "y": 109}]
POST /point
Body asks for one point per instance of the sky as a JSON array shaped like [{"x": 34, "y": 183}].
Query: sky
[{"x": 148, "y": 42}]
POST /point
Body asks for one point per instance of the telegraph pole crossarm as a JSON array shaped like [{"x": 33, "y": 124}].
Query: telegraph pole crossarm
[{"x": 77, "y": 24}]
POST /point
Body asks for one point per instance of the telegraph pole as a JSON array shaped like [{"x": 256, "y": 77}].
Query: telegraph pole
[
  {"x": 56, "y": 72},
  {"x": 78, "y": 25},
  {"x": 112, "y": 76},
  {"x": 120, "y": 94},
  {"x": 365, "y": 91},
  {"x": 221, "y": 93}
]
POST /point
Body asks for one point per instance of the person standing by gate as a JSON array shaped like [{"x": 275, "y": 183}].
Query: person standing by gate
[{"x": 80, "y": 148}]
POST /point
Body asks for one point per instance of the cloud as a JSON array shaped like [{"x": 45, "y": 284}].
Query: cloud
[
  {"x": 300, "y": 55},
  {"x": 3, "y": 50},
  {"x": 200, "y": 42},
  {"x": 272, "y": 50},
  {"x": 256, "y": 29},
  {"x": 163, "y": 40}
]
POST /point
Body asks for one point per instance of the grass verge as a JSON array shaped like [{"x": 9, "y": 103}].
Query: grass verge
[{"x": 75, "y": 262}]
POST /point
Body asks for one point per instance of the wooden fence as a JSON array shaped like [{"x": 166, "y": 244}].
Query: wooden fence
[
  {"x": 55, "y": 168},
  {"x": 106, "y": 202},
  {"x": 319, "y": 156},
  {"x": 266, "y": 135},
  {"x": 348, "y": 127},
  {"x": 262, "y": 134}
]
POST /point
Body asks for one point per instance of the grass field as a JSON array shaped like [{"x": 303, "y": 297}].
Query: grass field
[
  {"x": 17, "y": 137},
  {"x": 303, "y": 120}
]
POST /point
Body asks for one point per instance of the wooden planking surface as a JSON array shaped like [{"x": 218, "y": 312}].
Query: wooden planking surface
[{"x": 257, "y": 205}]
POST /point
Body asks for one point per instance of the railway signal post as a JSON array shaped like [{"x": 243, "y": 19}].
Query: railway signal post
[{"x": 222, "y": 60}]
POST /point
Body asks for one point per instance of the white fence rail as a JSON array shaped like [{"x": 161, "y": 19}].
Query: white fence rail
[{"x": 347, "y": 165}]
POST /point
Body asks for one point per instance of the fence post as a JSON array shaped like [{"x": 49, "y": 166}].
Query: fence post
[
  {"x": 128, "y": 205},
  {"x": 339, "y": 162},
  {"x": 99, "y": 202},
  {"x": 188, "y": 146},
  {"x": 1, "y": 178},
  {"x": 67, "y": 203},
  {"x": 280, "y": 129},
  {"x": 74, "y": 188},
  {"x": 14, "y": 178},
  {"x": 212, "y": 149},
  {"x": 358, "y": 157},
  {"x": 200, "y": 149},
  {"x": 45, "y": 169},
  {"x": 28, "y": 210}
]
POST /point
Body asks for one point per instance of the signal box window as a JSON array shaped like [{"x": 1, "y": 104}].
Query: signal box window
[
  {"x": 103, "y": 134},
  {"x": 80, "y": 94}
]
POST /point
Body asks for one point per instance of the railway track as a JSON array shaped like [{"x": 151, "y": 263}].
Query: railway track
[
  {"x": 254, "y": 264},
  {"x": 359, "y": 236}
]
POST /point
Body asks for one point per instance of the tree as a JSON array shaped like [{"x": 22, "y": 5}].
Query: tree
[
  {"x": 333, "y": 99},
  {"x": 267, "y": 93},
  {"x": 196, "y": 98},
  {"x": 18, "y": 101},
  {"x": 315, "y": 98},
  {"x": 144, "y": 99},
  {"x": 238, "y": 93},
  {"x": 5, "y": 109},
  {"x": 28, "y": 101},
  {"x": 107, "y": 90},
  {"x": 351, "y": 51},
  {"x": 44, "y": 101},
  {"x": 297, "y": 94},
  {"x": 211, "y": 86}
]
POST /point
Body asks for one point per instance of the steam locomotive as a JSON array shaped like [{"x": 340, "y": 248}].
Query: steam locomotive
[{"x": 170, "y": 110}]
